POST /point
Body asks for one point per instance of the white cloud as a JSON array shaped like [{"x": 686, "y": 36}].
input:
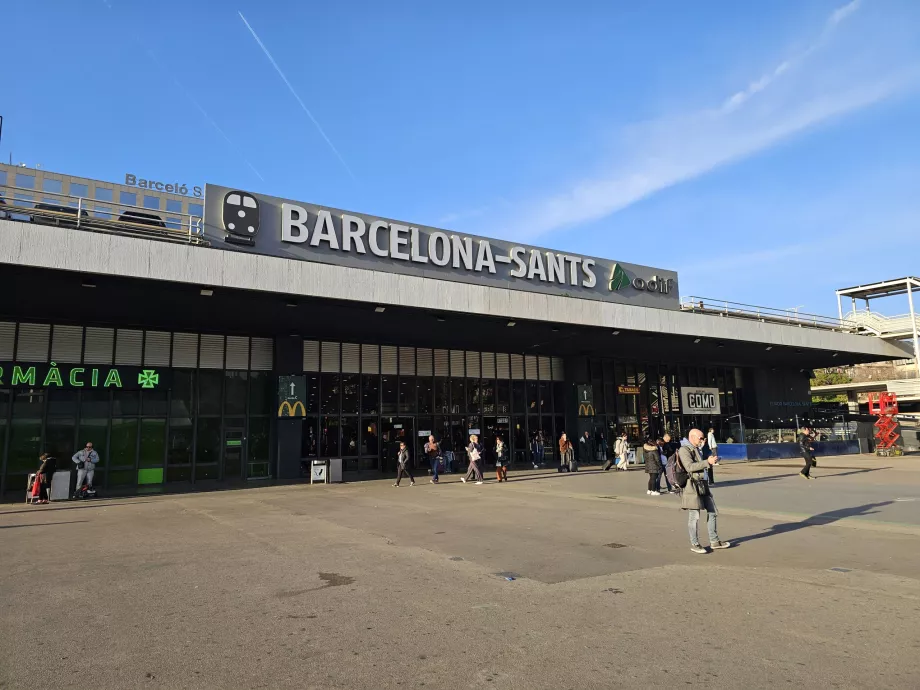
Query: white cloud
[
  {"x": 661, "y": 153},
  {"x": 842, "y": 13}
]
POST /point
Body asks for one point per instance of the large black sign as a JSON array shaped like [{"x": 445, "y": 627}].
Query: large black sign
[
  {"x": 292, "y": 394},
  {"x": 585, "y": 401},
  {"x": 73, "y": 376}
]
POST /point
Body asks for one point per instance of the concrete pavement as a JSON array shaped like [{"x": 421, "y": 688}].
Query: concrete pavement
[{"x": 367, "y": 586}]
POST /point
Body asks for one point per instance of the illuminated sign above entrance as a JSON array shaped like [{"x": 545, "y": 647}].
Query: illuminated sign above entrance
[
  {"x": 46, "y": 376},
  {"x": 244, "y": 221}
]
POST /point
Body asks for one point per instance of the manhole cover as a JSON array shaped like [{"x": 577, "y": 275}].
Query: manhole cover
[
  {"x": 841, "y": 570},
  {"x": 614, "y": 545},
  {"x": 455, "y": 558}
]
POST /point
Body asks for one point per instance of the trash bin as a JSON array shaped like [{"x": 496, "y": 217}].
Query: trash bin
[
  {"x": 335, "y": 471},
  {"x": 319, "y": 472}
]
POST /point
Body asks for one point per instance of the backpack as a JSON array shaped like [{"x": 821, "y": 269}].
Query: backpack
[{"x": 675, "y": 472}]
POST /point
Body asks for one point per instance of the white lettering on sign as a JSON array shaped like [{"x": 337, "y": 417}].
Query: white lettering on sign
[
  {"x": 406, "y": 243},
  {"x": 700, "y": 401}
]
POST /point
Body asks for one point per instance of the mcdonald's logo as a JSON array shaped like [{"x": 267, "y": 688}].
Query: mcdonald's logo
[
  {"x": 297, "y": 409},
  {"x": 585, "y": 410}
]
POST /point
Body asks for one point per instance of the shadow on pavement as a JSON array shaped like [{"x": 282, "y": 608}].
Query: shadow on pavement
[
  {"x": 827, "y": 518},
  {"x": 43, "y": 524},
  {"x": 93, "y": 503},
  {"x": 758, "y": 480}
]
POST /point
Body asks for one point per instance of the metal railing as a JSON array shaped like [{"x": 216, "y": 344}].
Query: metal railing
[
  {"x": 883, "y": 326},
  {"x": 792, "y": 317},
  {"x": 97, "y": 215}
]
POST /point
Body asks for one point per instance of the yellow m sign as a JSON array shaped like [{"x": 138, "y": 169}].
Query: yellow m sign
[
  {"x": 585, "y": 410},
  {"x": 295, "y": 410}
]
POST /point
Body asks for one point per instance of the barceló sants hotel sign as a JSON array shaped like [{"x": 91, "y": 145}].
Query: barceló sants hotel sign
[{"x": 238, "y": 220}]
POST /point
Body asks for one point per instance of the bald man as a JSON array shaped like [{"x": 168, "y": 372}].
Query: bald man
[{"x": 697, "y": 495}]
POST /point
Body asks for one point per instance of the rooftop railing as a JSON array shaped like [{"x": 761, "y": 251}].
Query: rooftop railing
[
  {"x": 96, "y": 215},
  {"x": 792, "y": 317}
]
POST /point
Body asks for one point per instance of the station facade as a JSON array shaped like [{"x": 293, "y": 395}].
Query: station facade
[{"x": 268, "y": 332}]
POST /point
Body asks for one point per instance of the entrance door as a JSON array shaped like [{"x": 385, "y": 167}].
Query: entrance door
[
  {"x": 392, "y": 431},
  {"x": 234, "y": 451}
]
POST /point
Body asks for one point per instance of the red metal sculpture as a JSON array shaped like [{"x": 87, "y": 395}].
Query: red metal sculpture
[{"x": 885, "y": 406}]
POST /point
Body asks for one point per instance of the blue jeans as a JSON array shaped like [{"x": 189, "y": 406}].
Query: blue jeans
[
  {"x": 694, "y": 520},
  {"x": 664, "y": 474},
  {"x": 434, "y": 468}
]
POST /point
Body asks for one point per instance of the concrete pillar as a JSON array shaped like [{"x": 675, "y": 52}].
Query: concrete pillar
[
  {"x": 288, "y": 432},
  {"x": 852, "y": 402}
]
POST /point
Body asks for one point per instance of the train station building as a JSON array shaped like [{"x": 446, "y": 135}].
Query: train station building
[{"x": 235, "y": 337}]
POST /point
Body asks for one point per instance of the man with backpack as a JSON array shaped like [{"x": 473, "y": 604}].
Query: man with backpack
[{"x": 690, "y": 475}]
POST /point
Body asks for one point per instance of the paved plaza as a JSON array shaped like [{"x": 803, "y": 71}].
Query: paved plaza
[{"x": 363, "y": 585}]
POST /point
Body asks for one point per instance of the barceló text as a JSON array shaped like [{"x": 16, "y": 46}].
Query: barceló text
[{"x": 169, "y": 187}]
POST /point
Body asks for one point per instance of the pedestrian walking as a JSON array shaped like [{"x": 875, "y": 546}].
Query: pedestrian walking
[
  {"x": 602, "y": 449},
  {"x": 713, "y": 446},
  {"x": 402, "y": 464},
  {"x": 652, "y": 465},
  {"x": 663, "y": 456},
  {"x": 474, "y": 452},
  {"x": 433, "y": 451},
  {"x": 586, "y": 449},
  {"x": 697, "y": 495},
  {"x": 537, "y": 449},
  {"x": 501, "y": 459},
  {"x": 621, "y": 450},
  {"x": 805, "y": 445}
]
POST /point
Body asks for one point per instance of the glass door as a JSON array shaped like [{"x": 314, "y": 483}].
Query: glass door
[
  {"x": 234, "y": 447},
  {"x": 392, "y": 431}
]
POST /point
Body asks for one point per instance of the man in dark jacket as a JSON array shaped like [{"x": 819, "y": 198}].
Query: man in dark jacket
[
  {"x": 697, "y": 495},
  {"x": 586, "y": 449},
  {"x": 805, "y": 439}
]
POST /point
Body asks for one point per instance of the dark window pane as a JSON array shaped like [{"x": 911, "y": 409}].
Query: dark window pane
[
  {"x": 350, "y": 437},
  {"x": 207, "y": 444},
  {"x": 517, "y": 397},
  {"x": 350, "y": 387},
  {"x": 407, "y": 394},
  {"x": 94, "y": 431},
  {"x": 124, "y": 443},
  {"x": 425, "y": 388},
  {"x": 234, "y": 447},
  {"x": 209, "y": 392},
  {"x": 183, "y": 383},
  {"x": 442, "y": 395},
  {"x": 236, "y": 390},
  {"x": 62, "y": 403},
  {"x": 28, "y": 404},
  {"x": 178, "y": 473},
  {"x": 126, "y": 403},
  {"x": 329, "y": 390},
  {"x": 259, "y": 432},
  {"x": 154, "y": 403},
  {"x": 388, "y": 398},
  {"x": 308, "y": 439},
  {"x": 370, "y": 444},
  {"x": 503, "y": 396},
  {"x": 25, "y": 445},
  {"x": 546, "y": 397},
  {"x": 370, "y": 393},
  {"x": 96, "y": 404},
  {"x": 260, "y": 393},
  {"x": 329, "y": 437},
  {"x": 312, "y": 392},
  {"x": 473, "y": 403},
  {"x": 457, "y": 395},
  {"x": 153, "y": 442},
  {"x": 518, "y": 434},
  {"x": 546, "y": 426},
  {"x": 487, "y": 396},
  {"x": 558, "y": 397},
  {"x": 533, "y": 402},
  {"x": 59, "y": 439},
  {"x": 179, "y": 446},
  {"x": 122, "y": 477},
  {"x": 206, "y": 472}
]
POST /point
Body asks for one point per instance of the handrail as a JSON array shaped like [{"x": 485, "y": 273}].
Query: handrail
[
  {"x": 98, "y": 215},
  {"x": 720, "y": 307}
]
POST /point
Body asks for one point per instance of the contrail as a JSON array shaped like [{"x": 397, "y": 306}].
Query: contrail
[{"x": 294, "y": 93}]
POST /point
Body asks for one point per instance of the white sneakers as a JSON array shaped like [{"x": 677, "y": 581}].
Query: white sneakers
[
  {"x": 479, "y": 482},
  {"x": 653, "y": 493},
  {"x": 463, "y": 479}
]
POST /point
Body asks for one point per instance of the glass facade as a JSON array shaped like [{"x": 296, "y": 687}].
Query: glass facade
[
  {"x": 204, "y": 424},
  {"x": 364, "y": 399}
]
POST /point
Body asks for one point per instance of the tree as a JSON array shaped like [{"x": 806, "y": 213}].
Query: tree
[{"x": 829, "y": 377}]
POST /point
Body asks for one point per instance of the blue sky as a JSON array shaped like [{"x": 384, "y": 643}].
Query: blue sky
[{"x": 758, "y": 148}]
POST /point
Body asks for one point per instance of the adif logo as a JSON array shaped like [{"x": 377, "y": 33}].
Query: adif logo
[
  {"x": 241, "y": 218},
  {"x": 618, "y": 278}
]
